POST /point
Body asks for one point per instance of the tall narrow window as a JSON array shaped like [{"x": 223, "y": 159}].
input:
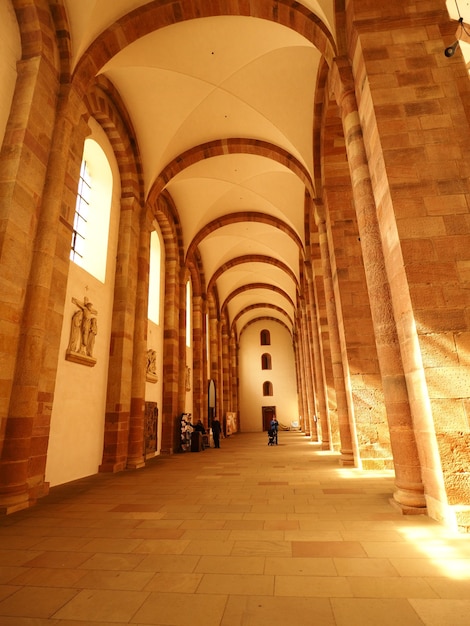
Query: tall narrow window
[
  {"x": 92, "y": 211},
  {"x": 188, "y": 314},
  {"x": 265, "y": 338},
  {"x": 154, "y": 278},
  {"x": 266, "y": 361},
  {"x": 267, "y": 388},
  {"x": 82, "y": 209}
]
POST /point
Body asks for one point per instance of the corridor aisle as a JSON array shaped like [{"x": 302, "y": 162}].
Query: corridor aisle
[{"x": 244, "y": 535}]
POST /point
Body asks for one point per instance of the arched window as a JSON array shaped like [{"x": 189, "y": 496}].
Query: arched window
[
  {"x": 266, "y": 361},
  {"x": 154, "y": 278},
  {"x": 188, "y": 313},
  {"x": 267, "y": 388},
  {"x": 265, "y": 337},
  {"x": 92, "y": 212}
]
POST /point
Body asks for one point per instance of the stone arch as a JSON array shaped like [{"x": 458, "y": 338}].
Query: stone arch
[
  {"x": 155, "y": 15},
  {"x": 103, "y": 103},
  {"x": 252, "y": 258},
  {"x": 267, "y": 318},
  {"x": 234, "y": 145},
  {"x": 249, "y": 286},
  {"x": 245, "y": 216},
  {"x": 252, "y": 307}
]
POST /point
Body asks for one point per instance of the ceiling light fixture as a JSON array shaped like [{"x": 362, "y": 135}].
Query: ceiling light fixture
[{"x": 450, "y": 51}]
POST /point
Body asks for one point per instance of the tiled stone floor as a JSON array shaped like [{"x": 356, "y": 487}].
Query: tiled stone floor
[{"x": 246, "y": 535}]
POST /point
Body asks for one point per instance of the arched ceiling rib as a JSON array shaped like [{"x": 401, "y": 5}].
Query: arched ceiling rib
[{"x": 223, "y": 112}]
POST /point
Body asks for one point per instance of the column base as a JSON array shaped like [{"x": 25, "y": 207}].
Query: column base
[
  {"x": 112, "y": 467},
  {"x": 347, "y": 458},
  {"x": 406, "y": 509},
  {"x": 409, "y": 499},
  {"x": 135, "y": 463},
  {"x": 8, "y": 509}
]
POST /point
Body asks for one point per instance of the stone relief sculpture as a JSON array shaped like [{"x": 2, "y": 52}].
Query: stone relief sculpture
[
  {"x": 152, "y": 366},
  {"x": 188, "y": 378},
  {"x": 83, "y": 331}
]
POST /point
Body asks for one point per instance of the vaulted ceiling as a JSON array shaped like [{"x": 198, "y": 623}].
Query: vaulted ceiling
[{"x": 245, "y": 84}]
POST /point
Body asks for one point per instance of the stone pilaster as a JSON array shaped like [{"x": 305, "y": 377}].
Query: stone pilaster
[
  {"x": 136, "y": 448},
  {"x": 26, "y": 428},
  {"x": 318, "y": 367},
  {"x": 409, "y": 492},
  {"x": 118, "y": 401},
  {"x": 344, "y": 418}
]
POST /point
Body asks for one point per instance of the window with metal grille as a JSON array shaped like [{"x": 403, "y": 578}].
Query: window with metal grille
[{"x": 82, "y": 209}]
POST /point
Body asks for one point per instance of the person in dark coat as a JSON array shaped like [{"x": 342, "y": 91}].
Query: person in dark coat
[
  {"x": 200, "y": 427},
  {"x": 216, "y": 432}
]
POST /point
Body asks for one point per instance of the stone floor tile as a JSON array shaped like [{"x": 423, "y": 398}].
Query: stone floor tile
[
  {"x": 391, "y": 587},
  {"x": 168, "y": 563},
  {"x": 386, "y": 612},
  {"x": 312, "y": 586},
  {"x": 317, "y": 548},
  {"x": 110, "y": 561},
  {"x": 300, "y": 566},
  {"x": 276, "y": 611},
  {"x": 265, "y": 548},
  {"x": 57, "y": 559},
  {"x": 442, "y": 612},
  {"x": 237, "y": 584},
  {"x": 174, "y": 582},
  {"x": 365, "y": 567},
  {"x": 209, "y": 547},
  {"x": 450, "y": 587},
  {"x": 231, "y": 565},
  {"x": 48, "y": 577},
  {"x": 96, "y": 605},
  {"x": 161, "y": 609},
  {"x": 36, "y": 601},
  {"x": 454, "y": 568},
  {"x": 115, "y": 579}
]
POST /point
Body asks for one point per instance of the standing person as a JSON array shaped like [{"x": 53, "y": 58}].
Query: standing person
[
  {"x": 216, "y": 432},
  {"x": 200, "y": 427},
  {"x": 274, "y": 426}
]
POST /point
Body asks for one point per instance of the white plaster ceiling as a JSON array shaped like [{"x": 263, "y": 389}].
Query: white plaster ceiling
[{"x": 211, "y": 79}]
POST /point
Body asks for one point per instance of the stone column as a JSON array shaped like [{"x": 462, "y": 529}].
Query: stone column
[
  {"x": 302, "y": 375},
  {"x": 233, "y": 373},
  {"x": 409, "y": 492},
  {"x": 171, "y": 356},
  {"x": 318, "y": 368},
  {"x": 300, "y": 379},
  {"x": 226, "y": 390},
  {"x": 199, "y": 372},
  {"x": 118, "y": 401},
  {"x": 136, "y": 458},
  {"x": 307, "y": 374},
  {"x": 346, "y": 421},
  {"x": 32, "y": 392}
]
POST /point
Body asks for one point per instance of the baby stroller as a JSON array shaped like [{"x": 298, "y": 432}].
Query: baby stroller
[{"x": 272, "y": 437}]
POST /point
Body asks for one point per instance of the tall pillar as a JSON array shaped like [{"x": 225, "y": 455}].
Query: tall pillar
[
  {"x": 409, "y": 492},
  {"x": 118, "y": 399},
  {"x": 346, "y": 421},
  {"x": 199, "y": 369},
  {"x": 300, "y": 379},
  {"x": 21, "y": 479},
  {"x": 233, "y": 373},
  {"x": 136, "y": 450},
  {"x": 318, "y": 367},
  {"x": 171, "y": 355},
  {"x": 309, "y": 373},
  {"x": 226, "y": 389}
]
